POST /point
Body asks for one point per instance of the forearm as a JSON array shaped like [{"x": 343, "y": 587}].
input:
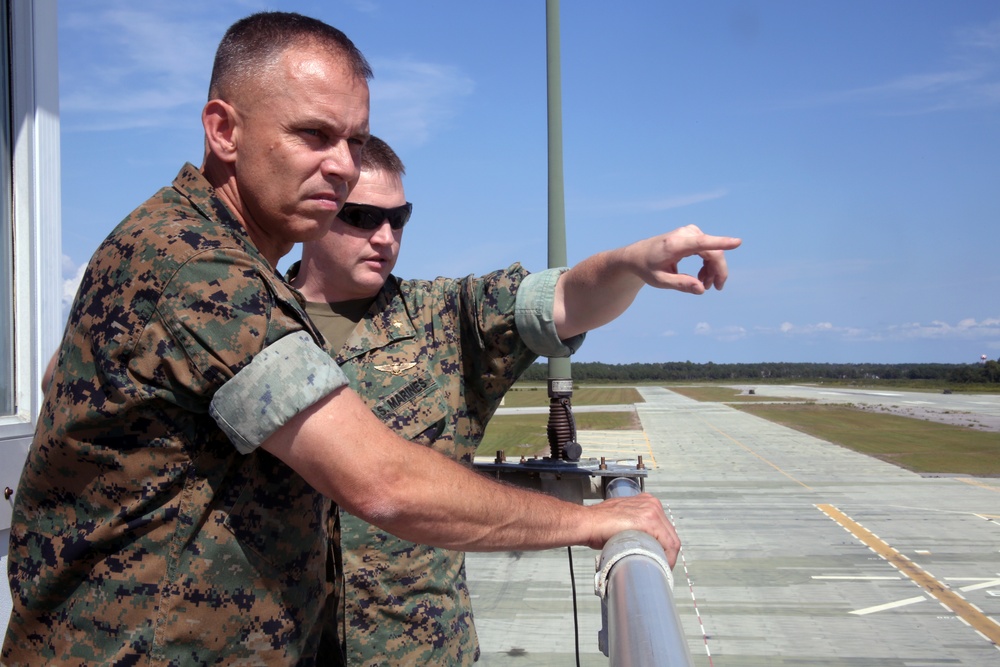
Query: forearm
[
  {"x": 449, "y": 505},
  {"x": 414, "y": 492},
  {"x": 595, "y": 292},
  {"x": 325, "y": 433}
]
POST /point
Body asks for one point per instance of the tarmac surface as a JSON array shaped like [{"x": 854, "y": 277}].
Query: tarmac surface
[{"x": 796, "y": 551}]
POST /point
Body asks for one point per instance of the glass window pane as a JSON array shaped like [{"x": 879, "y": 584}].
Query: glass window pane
[{"x": 6, "y": 228}]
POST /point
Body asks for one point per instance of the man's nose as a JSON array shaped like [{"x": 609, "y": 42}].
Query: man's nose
[
  {"x": 342, "y": 162},
  {"x": 383, "y": 233}
]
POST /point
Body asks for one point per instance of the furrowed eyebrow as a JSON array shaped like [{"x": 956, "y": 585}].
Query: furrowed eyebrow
[{"x": 333, "y": 129}]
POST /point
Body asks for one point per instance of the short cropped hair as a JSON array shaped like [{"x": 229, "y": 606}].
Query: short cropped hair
[
  {"x": 377, "y": 156},
  {"x": 256, "y": 42}
]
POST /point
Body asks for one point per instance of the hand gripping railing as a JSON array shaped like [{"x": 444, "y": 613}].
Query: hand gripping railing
[{"x": 640, "y": 622}]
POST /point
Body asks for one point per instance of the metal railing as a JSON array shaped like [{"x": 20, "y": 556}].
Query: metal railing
[{"x": 640, "y": 622}]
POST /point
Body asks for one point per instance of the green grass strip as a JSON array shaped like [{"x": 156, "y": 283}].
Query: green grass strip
[
  {"x": 915, "y": 444},
  {"x": 525, "y": 435},
  {"x": 536, "y": 396},
  {"x": 716, "y": 394}
]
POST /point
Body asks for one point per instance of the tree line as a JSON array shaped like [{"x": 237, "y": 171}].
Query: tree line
[{"x": 986, "y": 372}]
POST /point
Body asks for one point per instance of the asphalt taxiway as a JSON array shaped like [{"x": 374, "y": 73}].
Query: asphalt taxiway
[{"x": 796, "y": 552}]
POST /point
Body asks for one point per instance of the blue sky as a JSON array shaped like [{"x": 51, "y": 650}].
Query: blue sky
[{"x": 853, "y": 145}]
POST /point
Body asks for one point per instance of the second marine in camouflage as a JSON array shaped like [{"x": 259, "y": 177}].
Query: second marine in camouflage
[{"x": 433, "y": 359}]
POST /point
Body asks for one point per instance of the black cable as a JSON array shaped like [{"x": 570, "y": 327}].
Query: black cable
[{"x": 576, "y": 621}]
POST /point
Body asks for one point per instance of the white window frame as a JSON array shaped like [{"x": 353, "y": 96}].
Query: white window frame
[{"x": 37, "y": 237}]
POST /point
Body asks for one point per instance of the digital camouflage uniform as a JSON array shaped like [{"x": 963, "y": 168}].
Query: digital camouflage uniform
[
  {"x": 140, "y": 534},
  {"x": 432, "y": 359}
]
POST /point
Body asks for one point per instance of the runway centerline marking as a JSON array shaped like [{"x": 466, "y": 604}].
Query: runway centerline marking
[
  {"x": 976, "y": 482},
  {"x": 649, "y": 448},
  {"x": 718, "y": 430},
  {"x": 961, "y": 607}
]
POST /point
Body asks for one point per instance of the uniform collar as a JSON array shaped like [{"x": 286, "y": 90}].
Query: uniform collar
[
  {"x": 386, "y": 322},
  {"x": 193, "y": 185}
]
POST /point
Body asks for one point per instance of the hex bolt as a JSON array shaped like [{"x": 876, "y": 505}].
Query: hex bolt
[{"x": 640, "y": 465}]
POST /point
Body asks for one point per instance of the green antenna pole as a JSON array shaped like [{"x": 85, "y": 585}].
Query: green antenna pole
[
  {"x": 557, "y": 208},
  {"x": 561, "y": 427}
]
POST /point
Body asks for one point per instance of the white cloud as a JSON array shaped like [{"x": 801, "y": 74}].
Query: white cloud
[
  {"x": 662, "y": 204},
  {"x": 682, "y": 200},
  {"x": 965, "y": 329},
  {"x": 981, "y": 37},
  {"x": 971, "y": 80},
  {"x": 154, "y": 66},
  {"x": 410, "y": 99},
  {"x": 731, "y": 333},
  {"x": 71, "y": 282},
  {"x": 818, "y": 328},
  {"x": 726, "y": 334},
  {"x": 968, "y": 328},
  {"x": 138, "y": 65}
]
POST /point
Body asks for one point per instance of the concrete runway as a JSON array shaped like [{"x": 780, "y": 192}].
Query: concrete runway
[{"x": 796, "y": 551}]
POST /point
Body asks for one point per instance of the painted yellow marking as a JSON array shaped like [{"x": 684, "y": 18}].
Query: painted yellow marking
[
  {"x": 649, "y": 448},
  {"x": 605, "y": 451},
  {"x": 953, "y": 601},
  {"x": 976, "y": 482},
  {"x": 623, "y": 447},
  {"x": 714, "y": 428}
]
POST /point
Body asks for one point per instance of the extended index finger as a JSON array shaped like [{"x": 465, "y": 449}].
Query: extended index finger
[{"x": 707, "y": 242}]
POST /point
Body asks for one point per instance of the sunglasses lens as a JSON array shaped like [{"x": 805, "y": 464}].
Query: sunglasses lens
[
  {"x": 368, "y": 217},
  {"x": 400, "y": 215},
  {"x": 360, "y": 217}
]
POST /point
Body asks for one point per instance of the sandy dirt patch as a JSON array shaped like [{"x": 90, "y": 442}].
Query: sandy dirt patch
[{"x": 952, "y": 417}]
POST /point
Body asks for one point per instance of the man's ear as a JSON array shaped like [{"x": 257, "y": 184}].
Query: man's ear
[{"x": 220, "y": 120}]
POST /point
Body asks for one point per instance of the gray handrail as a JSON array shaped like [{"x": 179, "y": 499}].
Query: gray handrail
[{"x": 633, "y": 580}]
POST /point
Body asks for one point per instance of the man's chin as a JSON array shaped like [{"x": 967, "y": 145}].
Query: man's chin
[
  {"x": 371, "y": 284},
  {"x": 312, "y": 230}
]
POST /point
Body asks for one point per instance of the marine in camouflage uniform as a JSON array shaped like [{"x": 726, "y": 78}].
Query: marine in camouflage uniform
[
  {"x": 432, "y": 359},
  {"x": 140, "y": 531}
]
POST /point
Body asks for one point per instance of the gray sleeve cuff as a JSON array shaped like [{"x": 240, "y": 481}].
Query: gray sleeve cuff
[
  {"x": 283, "y": 380},
  {"x": 533, "y": 315}
]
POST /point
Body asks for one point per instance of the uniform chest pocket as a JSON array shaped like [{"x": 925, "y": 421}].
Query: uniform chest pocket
[{"x": 415, "y": 407}]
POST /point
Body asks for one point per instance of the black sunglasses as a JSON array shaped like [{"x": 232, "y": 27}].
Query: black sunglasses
[{"x": 365, "y": 216}]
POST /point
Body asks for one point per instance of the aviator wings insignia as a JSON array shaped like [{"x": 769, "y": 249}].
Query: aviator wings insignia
[{"x": 396, "y": 369}]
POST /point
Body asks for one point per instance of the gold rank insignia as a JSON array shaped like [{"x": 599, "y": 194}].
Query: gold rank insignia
[{"x": 397, "y": 368}]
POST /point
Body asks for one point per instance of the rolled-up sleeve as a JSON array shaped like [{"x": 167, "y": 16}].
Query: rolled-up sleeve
[
  {"x": 533, "y": 315},
  {"x": 284, "y": 379}
]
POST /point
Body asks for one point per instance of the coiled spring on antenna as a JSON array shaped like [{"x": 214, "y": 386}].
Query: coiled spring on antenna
[{"x": 561, "y": 428}]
